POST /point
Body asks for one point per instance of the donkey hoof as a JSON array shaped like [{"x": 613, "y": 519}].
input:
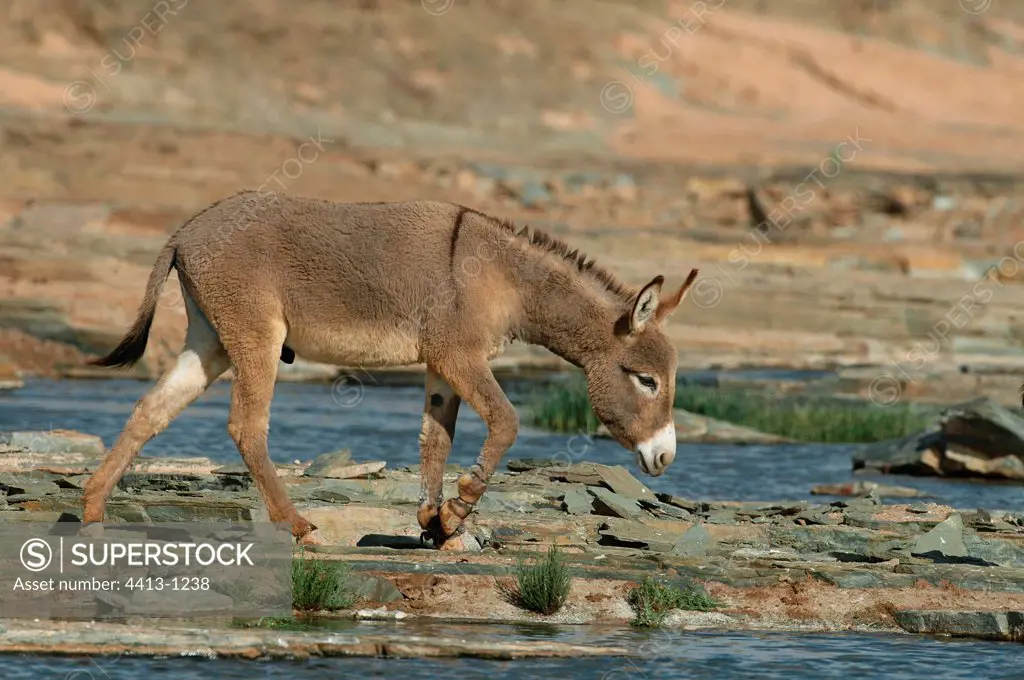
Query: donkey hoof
[
  {"x": 461, "y": 542},
  {"x": 312, "y": 538},
  {"x": 452, "y": 514}
]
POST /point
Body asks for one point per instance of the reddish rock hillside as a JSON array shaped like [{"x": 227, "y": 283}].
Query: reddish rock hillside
[{"x": 844, "y": 174}]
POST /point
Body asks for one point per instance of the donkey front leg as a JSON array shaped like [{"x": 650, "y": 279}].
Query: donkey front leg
[
  {"x": 439, "y": 415},
  {"x": 477, "y": 386}
]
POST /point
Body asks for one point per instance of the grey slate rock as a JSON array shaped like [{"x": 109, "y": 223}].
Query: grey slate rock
[
  {"x": 695, "y": 542},
  {"x": 990, "y": 625},
  {"x": 577, "y": 502},
  {"x": 614, "y": 505},
  {"x": 659, "y": 508},
  {"x": 527, "y": 464},
  {"x": 326, "y": 462},
  {"x": 373, "y": 588},
  {"x": 946, "y": 538}
]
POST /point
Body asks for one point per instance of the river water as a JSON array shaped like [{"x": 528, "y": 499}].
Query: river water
[
  {"x": 665, "y": 655},
  {"x": 382, "y": 423}
]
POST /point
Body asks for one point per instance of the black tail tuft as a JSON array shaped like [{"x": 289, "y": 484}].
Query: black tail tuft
[
  {"x": 133, "y": 345},
  {"x": 129, "y": 350}
]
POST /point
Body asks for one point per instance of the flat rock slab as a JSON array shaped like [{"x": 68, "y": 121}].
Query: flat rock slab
[
  {"x": 694, "y": 542},
  {"x": 325, "y": 463},
  {"x": 615, "y": 505},
  {"x": 526, "y": 464},
  {"x": 346, "y": 525},
  {"x": 577, "y": 502},
  {"x": 618, "y": 479},
  {"x": 616, "y": 531},
  {"x": 373, "y": 589},
  {"x": 946, "y": 539},
  {"x": 358, "y": 471},
  {"x": 861, "y": 488},
  {"x": 54, "y": 441},
  {"x": 112, "y": 639},
  {"x": 989, "y": 625},
  {"x": 21, "y": 461},
  {"x": 613, "y": 477}
]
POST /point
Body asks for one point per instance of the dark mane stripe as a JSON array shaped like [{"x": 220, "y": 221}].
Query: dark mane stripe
[
  {"x": 555, "y": 246},
  {"x": 580, "y": 260}
]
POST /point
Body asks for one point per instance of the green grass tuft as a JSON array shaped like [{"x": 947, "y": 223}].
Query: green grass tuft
[
  {"x": 651, "y": 602},
  {"x": 320, "y": 585},
  {"x": 565, "y": 407},
  {"x": 541, "y": 587},
  {"x": 804, "y": 419}
]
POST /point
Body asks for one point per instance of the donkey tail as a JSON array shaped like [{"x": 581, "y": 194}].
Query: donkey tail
[{"x": 133, "y": 345}]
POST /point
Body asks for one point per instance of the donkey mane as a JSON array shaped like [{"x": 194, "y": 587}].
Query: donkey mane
[{"x": 555, "y": 246}]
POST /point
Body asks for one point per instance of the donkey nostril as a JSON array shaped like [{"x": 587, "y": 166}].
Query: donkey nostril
[{"x": 663, "y": 460}]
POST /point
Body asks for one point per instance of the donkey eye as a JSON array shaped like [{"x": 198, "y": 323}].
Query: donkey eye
[{"x": 648, "y": 382}]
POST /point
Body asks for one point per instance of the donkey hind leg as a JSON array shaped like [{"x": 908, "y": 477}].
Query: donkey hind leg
[
  {"x": 477, "y": 386},
  {"x": 202, "y": 361},
  {"x": 255, "y": 371},
  {"x": 440, "y": 411}
]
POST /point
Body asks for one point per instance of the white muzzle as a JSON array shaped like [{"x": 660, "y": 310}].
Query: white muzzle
[{"x": 658, "y": 452}]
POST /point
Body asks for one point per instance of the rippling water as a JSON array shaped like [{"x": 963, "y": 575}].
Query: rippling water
[
  {"x": 382, "y": 423},
  {"x": 307, "y": 420},
  {"x": 667, "y": 655}
]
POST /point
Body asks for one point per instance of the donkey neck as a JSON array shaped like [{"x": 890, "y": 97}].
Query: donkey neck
[{"x": 563, "y": 312}]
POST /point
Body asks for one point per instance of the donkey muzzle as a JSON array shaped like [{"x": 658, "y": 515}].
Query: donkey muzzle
[{"x": 657, "y": 453}]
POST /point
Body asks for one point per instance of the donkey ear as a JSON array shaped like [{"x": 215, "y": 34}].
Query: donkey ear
[
  {"x": 646, "y": 305},
  {"x": 668, "y": 305}
]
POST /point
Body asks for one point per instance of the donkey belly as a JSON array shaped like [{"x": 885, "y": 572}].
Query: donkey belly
[{"x": 350, "y": 345}]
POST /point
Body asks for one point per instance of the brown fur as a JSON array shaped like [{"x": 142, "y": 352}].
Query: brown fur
[{"x": 268, "y": 277}]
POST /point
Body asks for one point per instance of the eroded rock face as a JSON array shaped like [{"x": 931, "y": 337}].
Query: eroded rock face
[
  {"x": 988, "y": 625},
  {"x": 978, "y": 438}
]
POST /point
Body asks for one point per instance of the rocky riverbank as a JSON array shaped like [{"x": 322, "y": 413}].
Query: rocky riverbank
[{"x": 853, "y": 563}]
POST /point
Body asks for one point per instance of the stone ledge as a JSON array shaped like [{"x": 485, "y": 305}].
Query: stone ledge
[
  {"x": 76, "y": 639},
  {"x": 989, "y": 625}
]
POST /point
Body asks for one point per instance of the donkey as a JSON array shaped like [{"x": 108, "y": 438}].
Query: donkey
[{"x": 266, "y": 277}]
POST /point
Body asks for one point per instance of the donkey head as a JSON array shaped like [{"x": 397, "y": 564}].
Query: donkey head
[{"x": 632, "y": 384}]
